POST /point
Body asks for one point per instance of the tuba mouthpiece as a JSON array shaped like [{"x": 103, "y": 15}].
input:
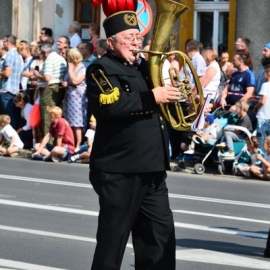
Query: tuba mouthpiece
[{"x": 136, "y": 50}]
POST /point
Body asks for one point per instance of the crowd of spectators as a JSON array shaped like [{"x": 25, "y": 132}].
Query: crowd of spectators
[
  {"x": 43, "y": 81},
  {"x": 43, "y": 103}
]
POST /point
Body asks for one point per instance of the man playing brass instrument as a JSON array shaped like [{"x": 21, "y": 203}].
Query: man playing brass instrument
[{"x": 130, "y": 154}]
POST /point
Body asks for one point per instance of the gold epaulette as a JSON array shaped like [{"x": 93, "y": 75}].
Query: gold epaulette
[{"x": 109, "y": 93}]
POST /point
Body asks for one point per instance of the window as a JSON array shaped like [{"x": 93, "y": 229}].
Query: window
[
  {"x": 85, "y": 13},
  {"x": 211, "y": 22}
]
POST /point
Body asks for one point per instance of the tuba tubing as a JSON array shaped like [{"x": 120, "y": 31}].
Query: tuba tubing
[{"x": 167, "y": 14}]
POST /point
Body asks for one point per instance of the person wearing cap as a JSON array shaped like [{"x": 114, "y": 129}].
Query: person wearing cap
[
  {"x": 265, "y": 61},
  {"x": 241, "y": 45},
  {"x": 129, "y": 157},
  {"x": 207, "y": 135}
]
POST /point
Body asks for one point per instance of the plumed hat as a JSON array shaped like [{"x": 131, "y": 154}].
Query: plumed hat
[{"x": 120, "y": 15}]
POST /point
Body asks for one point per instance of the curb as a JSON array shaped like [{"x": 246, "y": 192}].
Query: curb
[{"x": 25, "y": 153}]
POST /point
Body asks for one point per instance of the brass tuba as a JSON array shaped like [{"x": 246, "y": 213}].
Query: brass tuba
[{"x": 179, "y": 115}]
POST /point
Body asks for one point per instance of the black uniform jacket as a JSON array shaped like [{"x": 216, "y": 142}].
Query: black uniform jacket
[{"x": 131, "y": 136}]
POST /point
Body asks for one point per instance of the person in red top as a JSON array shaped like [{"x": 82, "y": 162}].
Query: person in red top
[
  {"x": 94, "y": 35},
  {"x": 63, "y": 139}
]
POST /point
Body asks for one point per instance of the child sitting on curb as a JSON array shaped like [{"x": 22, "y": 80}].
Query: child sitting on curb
[
  {"x": 9, "y": 134},
  {"x": 63, "y": 139},
  {"x": 263, "y": 172},
  {"x": 207, "y": 135},
  {"x": 253, "y": 150},
  {"x": 83, "y": 154}
]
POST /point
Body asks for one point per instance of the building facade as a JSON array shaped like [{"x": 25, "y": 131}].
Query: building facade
[{"x": 210, "y": 21}]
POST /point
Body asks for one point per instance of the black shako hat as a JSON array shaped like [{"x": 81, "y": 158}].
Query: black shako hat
[{"x": 120, "y": 21}]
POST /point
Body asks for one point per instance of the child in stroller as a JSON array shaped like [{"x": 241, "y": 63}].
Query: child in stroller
[
  {"x": 205, "y": 149},
  {"x": 207, "y": 135}
]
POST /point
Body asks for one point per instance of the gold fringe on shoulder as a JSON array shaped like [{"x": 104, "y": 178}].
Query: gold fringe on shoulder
[{"x": 110, "y": 98}]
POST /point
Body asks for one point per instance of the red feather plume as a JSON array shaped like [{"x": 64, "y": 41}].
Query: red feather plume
[{"x": 112, "y": 6}]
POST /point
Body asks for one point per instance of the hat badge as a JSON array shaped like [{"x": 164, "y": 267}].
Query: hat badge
[{"x": 130, "y": 19}]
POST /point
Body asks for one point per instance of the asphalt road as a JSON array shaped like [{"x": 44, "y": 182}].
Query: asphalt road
[{"x": 48, "y": 219}]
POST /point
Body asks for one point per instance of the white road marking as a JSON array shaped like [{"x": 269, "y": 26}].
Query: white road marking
[
  {"x": 221, "y": 216},
  {"x": 215, "y": 200},
  {"x": 213, "y": 257},
  {"x": 44, "y": 181},
  {"x": 194, "y": 255},
  {"x": 204, "y": 256},
  {"x": 49, "y": 207},
  {"x": 95, "y": 213},
  {"x": 171, "y": 195},
  {"x": 219, "y": 230},
  {"x": 51, "y": 234},
  {"x": 24, "y": 266}
]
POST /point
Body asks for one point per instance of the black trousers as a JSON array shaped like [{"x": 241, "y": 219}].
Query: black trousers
[{"x": 136, "y": 203}]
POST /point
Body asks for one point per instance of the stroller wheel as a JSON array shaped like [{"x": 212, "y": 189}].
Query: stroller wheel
[
  {"x": 221, "y": 168},
  {"x": 199, "y": 168}
]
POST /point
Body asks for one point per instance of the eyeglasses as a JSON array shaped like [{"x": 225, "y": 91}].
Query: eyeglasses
[{"x": 131, "y": 39}]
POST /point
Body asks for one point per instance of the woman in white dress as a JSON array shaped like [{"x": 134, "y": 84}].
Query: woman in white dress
[{"x": 75, "y": 101}]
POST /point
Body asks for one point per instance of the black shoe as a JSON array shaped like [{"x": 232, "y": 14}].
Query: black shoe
[
  {"x": 266, "y": 253},
  {"x": 37, "y": 157},
  {"x": 46, "y": 159}
]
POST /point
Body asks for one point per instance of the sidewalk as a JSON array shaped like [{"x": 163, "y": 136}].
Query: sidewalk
[
  {"x": 25, "y": 153},
  {"x": 213, "y": 170}
]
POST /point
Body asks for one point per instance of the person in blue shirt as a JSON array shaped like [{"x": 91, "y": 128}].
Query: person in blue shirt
[
  {"x": 87, "y": 50},
  {"x": 242, "y": 83},
  {"x": 10, "y": 74}
]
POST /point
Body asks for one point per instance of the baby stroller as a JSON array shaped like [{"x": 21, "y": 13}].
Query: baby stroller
[
  {"x": 229, "y": 163},
  {"x": 203, "y": 151}
]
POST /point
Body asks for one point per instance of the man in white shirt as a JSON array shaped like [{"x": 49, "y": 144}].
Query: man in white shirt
[
  {"x": 74, "y": 37},
  {"x": 51, "y": 92},
  {"x": 28, "y": 58},
  {"x": 192, "y": 49}
]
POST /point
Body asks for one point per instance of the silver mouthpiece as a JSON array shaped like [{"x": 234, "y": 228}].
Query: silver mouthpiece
[{"x": 136, "y": 50}]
